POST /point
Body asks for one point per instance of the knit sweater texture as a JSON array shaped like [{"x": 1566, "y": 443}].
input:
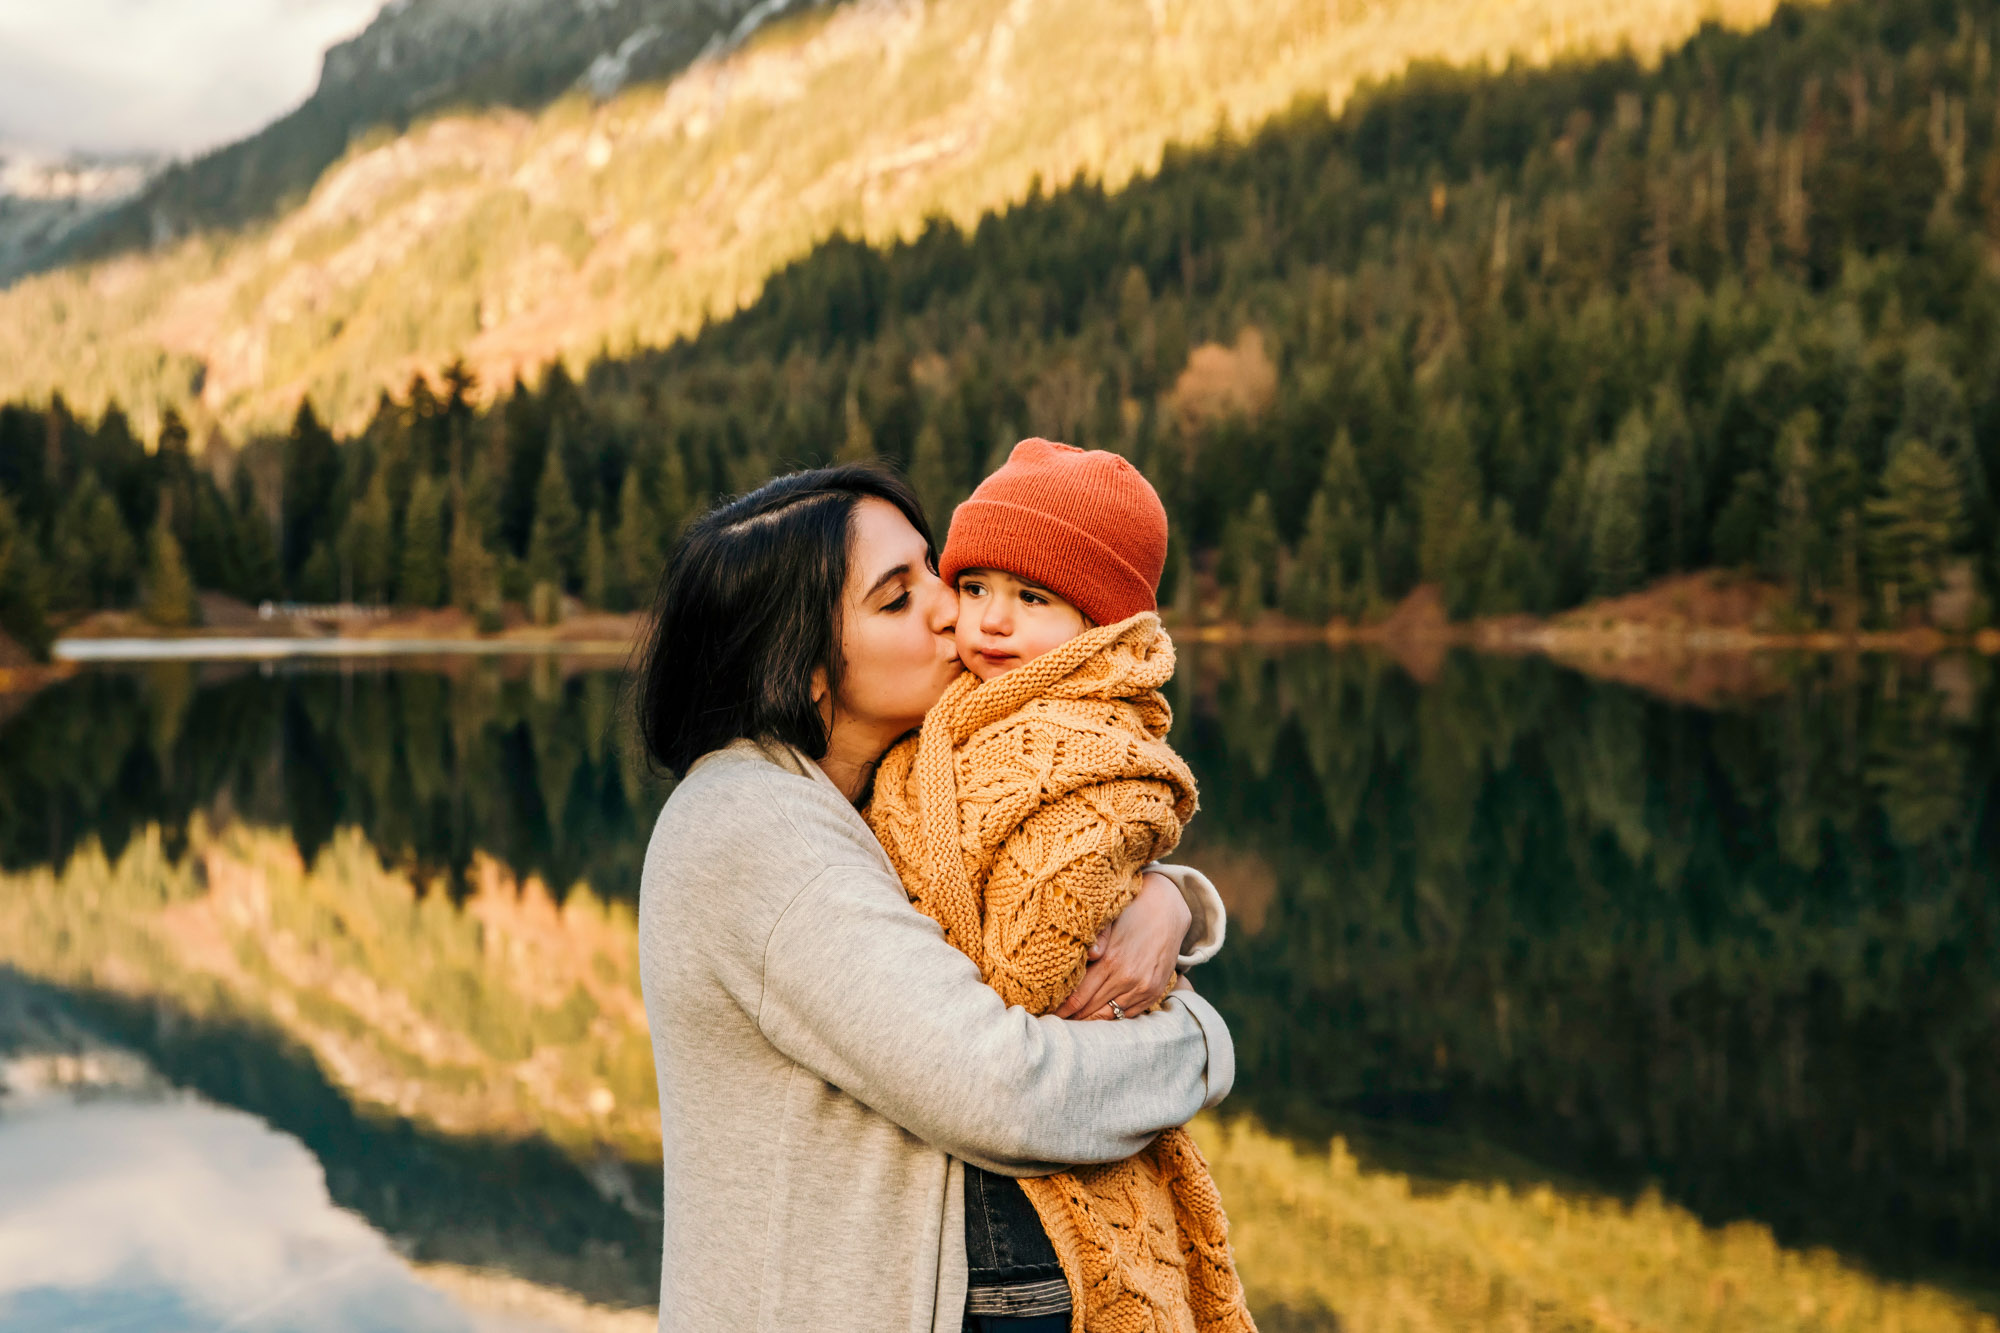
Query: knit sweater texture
[{"x": 1017, "y": 819}]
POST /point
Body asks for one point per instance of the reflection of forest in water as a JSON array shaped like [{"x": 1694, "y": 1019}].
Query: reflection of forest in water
[
  {"x": 519, "y": 758},
  {"x": 1507, "y": 923},
  {"x": 1748, "y": 954}
]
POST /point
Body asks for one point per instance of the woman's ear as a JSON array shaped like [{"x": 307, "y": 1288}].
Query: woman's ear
[{"x": 822, "y": 695}]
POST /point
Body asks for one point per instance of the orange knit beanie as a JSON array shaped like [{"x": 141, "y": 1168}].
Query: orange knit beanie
[{"x": 1081, "y": 522}]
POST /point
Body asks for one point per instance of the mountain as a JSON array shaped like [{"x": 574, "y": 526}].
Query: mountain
[
  {"x": 1516, "y": 340},
  {"x": 511, "y": 236},
  {"x": 46, "y": 202},
  {"x": 417, "y": 56}
]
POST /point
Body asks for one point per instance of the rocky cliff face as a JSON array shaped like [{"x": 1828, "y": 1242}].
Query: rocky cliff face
[
  {"x": 419, "y": 54},
  {"x": 416, "y": 56}
]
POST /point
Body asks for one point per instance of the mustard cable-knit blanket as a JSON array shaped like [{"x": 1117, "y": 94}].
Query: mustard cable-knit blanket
[{"x": 1017, "y": 818}]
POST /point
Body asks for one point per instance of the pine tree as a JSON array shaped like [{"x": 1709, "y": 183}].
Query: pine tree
[
  {"x": 311, "y": 471},
  {"x": 256, "y": 554},
  {"x": 1566, "y": 534},
  {"x": 636, "y": 544},
  {"x": 1250, "y": 559},
  {"x": 172, "y": 444},
  {"x": 1325, "y": 579},
  {"x": 23, "y": 604},
  {"x": 421, "y": 582},
  {"x": 1450, "y": 499},
  {"x": 673, "y": 501},
  {"x": 1396, "y": 554},
  {"x": 1936, "y": 412},
  {"x": 319, "y": 578},
  {"x": 67, "y": 570},
  {"x": 1913, "y": 525},
  {"x": 367, "y": 544},
  {"x": 169, "y": 591},
  {"x": 1797, "y": 537},
  {"x": 1615, "y": 484},
  {"x": 1314, "y": 590},
  {"x": 1510, "y": 580},
  {"x": 596, "y": 565},
  {"x": 556, "y": 536},
  {"x": 1135, "y": 330},
  {"x": 471, "y": 568},
  {"x": 858, "y": 444},
  {"x": 92, "y": 557},
  {"x": 930, "y": 478},
  {"x": 1675, "y": 474},
  {"x": 208, "y": 534},
  {"x": 1740, "y": 527}
]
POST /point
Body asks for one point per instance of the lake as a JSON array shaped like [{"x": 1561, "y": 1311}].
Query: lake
[{"x": 1557, "y": 1006}]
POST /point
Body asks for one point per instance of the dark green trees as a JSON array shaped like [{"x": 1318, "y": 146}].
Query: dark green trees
[
  {"x": 1333, "y": 568},
  {"x": 1248, "y": 568},
  {"x": 421, "y": 580},
  {"x": 1913, "y": 525},
  {"x": 555, "y": 541},
  {"x": 23, "y": 596},
  {"x": 169, "y": 598},
  {"x": 1533, "y": 338}
]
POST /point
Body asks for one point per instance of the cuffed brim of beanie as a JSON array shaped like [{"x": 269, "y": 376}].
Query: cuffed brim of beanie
[{"x": 1060, "y": 556}]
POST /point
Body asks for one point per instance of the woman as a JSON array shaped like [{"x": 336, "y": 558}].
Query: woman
[{"x": 826, "y": 1061}]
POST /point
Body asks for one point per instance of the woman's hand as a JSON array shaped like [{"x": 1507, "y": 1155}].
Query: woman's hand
[{"x": 1132, "y": 962}]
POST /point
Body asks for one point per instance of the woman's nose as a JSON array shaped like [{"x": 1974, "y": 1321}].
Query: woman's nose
[{"x": 943, "y": 608}]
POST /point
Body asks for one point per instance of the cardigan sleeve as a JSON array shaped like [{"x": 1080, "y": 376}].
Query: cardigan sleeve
[
  {"x": 863, "y": 990},
  {"x": 1209, "y": 919}
]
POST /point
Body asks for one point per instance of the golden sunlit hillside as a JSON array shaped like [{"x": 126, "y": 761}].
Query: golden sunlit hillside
[{"x": 513, "y": 237}]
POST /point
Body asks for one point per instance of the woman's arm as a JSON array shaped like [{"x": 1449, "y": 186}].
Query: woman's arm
[
  {"x": 1063, "y": 878},
  {"x": 1135, "y": 958},
  {"x": 862, "y": 989},
  {"x": 1176, "y": 922},
  {"x": 1208, "y": 919}
]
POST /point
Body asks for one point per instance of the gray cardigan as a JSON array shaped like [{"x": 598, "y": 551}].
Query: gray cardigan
[{"x": 826, "y": 1061}]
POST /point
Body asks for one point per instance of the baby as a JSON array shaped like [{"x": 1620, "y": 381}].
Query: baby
[{"x": 1018, "y": 818}]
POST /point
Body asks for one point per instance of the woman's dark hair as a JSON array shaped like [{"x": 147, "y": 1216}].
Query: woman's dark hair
[{"x": 748, "y": 606}]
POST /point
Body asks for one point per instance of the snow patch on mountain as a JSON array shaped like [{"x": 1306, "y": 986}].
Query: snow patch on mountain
[{"x": 46, "y": 199}]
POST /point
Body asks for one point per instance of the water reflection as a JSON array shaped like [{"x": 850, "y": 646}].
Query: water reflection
[
  {"x": 1748, "y": 954},
  {"x": 125, "y": 1202},
  {"x": 515, "y": 757},
  {"x": 1547, "y": 957}
]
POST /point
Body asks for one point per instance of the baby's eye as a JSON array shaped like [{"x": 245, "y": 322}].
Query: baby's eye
[
  {"x": 1034, "y": 599},
  {"x": 970, "y": 590}
]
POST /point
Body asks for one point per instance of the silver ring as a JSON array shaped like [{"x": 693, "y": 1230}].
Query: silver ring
[{"x": 1117, "y": 1010}]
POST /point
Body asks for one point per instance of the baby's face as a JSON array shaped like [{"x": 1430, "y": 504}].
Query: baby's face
[{"x": 1004, "y": 620}]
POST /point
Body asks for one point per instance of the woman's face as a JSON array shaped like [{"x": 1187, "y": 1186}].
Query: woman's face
[{"x": 896, "y": 645}]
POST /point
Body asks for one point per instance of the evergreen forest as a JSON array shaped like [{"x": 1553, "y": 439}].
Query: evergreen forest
[{"x": 1534, "y": 337}]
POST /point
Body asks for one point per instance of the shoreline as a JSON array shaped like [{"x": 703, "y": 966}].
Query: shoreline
[
  {"x": 1554, "y": 638},
  {"x": 1701, "y": 639},
  {"x": 190, "y": 647}
]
